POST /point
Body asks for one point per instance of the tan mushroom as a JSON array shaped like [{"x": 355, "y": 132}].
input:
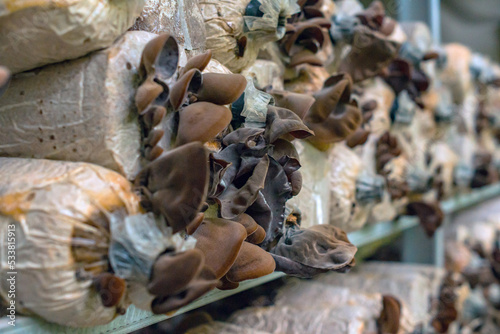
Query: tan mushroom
[
  {"x": 252, "y": 262},
  {"x": 201, "y": 122},
  {"x": 220, "y": 240},
  {"x": 389, "y": 320},
  {"x": 333, "y": 117},
  {"x": 176, "y": 184}
]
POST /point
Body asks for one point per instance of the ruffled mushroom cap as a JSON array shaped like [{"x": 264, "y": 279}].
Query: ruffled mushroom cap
[
  {"x": 268, "y": 210},
  {"x": 281, "y": 122},
  {"x": 110, "y": 288},
  {"x": 203, "y": 283},
  {"x": 447, "y": 308},
  {"x": 193, "y": 225},
  {"x": 298, "y": 103},
  {"x": 286, "y": 154},
  {"x": 430, "y": 215},
  {"x": 236, "y": 200},
  {"x": 333, "y": 117},
  {"x": 220, "y": 240},
  {"x": 252, "y": 262},
  {"x": 390, "y": 318},
  {"x": 308, "y": 252},
  {"x": 370, "y": 53},
  {"x": 443, "y": 320},
  {"x": 175, "y": 185},
  {"x": 4, "y": 79},
  {"x": 261, "y": 173}
]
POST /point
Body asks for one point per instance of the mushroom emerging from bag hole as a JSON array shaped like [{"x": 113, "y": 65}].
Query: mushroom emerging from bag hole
[
  {"x": 238, "y": 29},
  {"x": 185, "y": 105},
  {"x": 263, "y": 171},
  {"x": 364, "y": 41},
  {"x": 370, "y": 53},
  {"x": 334, "y": 116},
  {"x": 388, "y": 150},
  {"x": 306, "y": 35},
  {"x": 170, "y": 189},
  {"x": 95, "y": 251}
]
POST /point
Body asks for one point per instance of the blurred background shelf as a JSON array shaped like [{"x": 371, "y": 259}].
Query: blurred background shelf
[{"x": 136, "y": 319}]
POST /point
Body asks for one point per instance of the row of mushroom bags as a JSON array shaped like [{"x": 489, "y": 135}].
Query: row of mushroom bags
[
  {"x": 151, "y": 151},
  {"x": 472, "y": 249},
  {"x": 377, "y": 297}
]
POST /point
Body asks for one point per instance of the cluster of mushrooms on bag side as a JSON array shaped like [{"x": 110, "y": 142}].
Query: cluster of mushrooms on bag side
[{"x": 152, "y": 151}]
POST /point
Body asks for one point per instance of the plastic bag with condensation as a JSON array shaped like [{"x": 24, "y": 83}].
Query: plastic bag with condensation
[
  {"x": 181, "y": 19},
  {"x": 462, "y": 140},
  {"x": 79, "y": 110},
  {"x": 345, "y": 171},
  {"x": 265, "y": 73},
  {"x": 65, "y": 216},
  {"x": 37, "y": 33},
  {"x": 313, "y": 201},
  {"x": 255, "y": 107},
  {"x": 310, "y": 294},
  {"x": 382, "y": 208},
  {"x": 290, "y": 320},
  {"x": 416, "y": 286},
  {"x": 235, "y": 36}
]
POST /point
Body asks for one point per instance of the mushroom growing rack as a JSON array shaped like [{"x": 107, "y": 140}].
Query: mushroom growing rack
[{"x": 136, "y": 319}]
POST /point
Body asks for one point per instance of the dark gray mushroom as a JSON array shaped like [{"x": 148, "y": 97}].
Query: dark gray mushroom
[{"x": 308, "y": 252}]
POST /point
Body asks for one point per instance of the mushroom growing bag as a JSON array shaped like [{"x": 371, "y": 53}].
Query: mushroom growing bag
[
  {"x": 72, "y": 223},
  {"x": 37, "y": 33},
  {"x": 182, "y": 19},
  {"x": 313, "y": 201},
  {"x": 81, "y": 110},
  {"x": 238, "y": 29},
  {"x": 352, "y": 191},
  {"x": 61, "y": 214}
]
